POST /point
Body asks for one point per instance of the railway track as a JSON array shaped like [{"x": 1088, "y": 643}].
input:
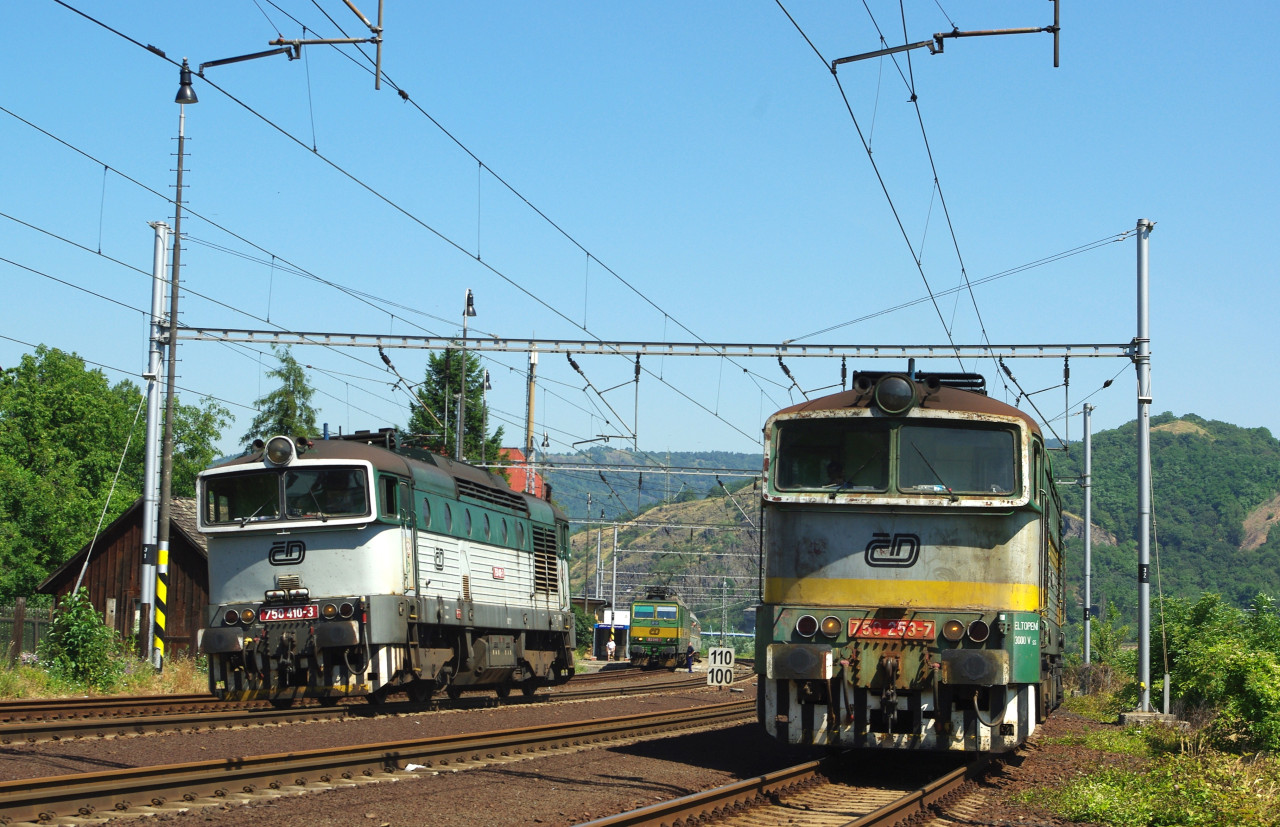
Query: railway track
[
  {"x": 19, "y": 710},
  {"x": 42, "y": 800},
  {"x": 814, "y": 794},
  {"x": 107, "y": 717}
]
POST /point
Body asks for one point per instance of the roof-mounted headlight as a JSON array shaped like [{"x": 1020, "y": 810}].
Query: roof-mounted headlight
[
  {"x": 895, "y": 394},
  {"x": 280, "y": 450}
]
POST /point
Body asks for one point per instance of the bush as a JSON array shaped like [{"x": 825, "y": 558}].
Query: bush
[{"x": 79, "y": 647}]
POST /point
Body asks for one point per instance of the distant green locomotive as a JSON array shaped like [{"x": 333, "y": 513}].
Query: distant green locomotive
[{"x": 662, "y": 628}]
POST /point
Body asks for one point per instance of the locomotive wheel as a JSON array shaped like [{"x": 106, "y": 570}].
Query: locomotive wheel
[
  {"x": 503, "y": 690},
  {"x": 453, "y": 691},
  {"x": 281, "y": 703},
  {"x": 377, "y": 697},
  {"x": 421, "y": 691},
  {"x": 328, "y": 700},
  {"x": 529, "y": 687}
]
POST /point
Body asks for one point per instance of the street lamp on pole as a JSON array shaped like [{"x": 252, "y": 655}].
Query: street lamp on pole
[
  {"x": 468, "y": 310},
  {"x": 186, "y": 94}
]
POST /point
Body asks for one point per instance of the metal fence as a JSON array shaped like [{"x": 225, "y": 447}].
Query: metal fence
[{"x": 21, "y": 628}]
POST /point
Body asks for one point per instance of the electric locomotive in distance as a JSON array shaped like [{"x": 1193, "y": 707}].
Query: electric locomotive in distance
[
  {"x": 357, "y": 565},
  {"x": 913, "y": 591},
  {"x": 662, "y": 628}
]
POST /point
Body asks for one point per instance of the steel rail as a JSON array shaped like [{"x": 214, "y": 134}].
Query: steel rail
[
  {"x": 228, "y": 714},
  {"x": 44, "y": 799},
  {"x": 691, "y": 808},
  {"x": 711, "y": 805}
]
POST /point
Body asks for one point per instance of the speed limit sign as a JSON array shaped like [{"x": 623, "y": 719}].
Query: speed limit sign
[{"x": 720, "y": 666}]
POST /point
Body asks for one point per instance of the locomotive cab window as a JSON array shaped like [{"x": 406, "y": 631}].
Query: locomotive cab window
[
  {"x": 241, "y": 498},
  {"x": 666, "y": 612},
  {"x": 838, "y": 454},
  {"x": 639, "y": 612},
  {"x": 388, "y": 499},
  {"x": 960, "y": 460},
  {"x": 873, "y": 455},
  {"x": 321, "y": 493}
]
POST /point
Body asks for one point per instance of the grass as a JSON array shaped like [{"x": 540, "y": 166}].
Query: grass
[
  {"x": 180, "y": 676},
  {"x": 1179, "y": 779}
]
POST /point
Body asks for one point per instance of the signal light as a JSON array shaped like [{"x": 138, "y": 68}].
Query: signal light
[
  {"x": 831, "y": 625},
  {"x": 231, "y": 618},
  {"x": 346, "y": 610},
  {"x": 247, "y": 616},
  {"x": 979, "y": 631},
  {"x": 953, "y": 630},
  {"x": 329, "y": 611},
  {"x": 806, "y": 626}
]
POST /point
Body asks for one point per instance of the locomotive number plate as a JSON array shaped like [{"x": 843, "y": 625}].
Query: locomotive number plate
[
  {"x": 308, "y": 612},
  {"x": 877, "y": 628}
]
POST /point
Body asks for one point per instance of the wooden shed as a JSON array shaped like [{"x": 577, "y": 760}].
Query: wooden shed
[{"x": 112, "y": 577}]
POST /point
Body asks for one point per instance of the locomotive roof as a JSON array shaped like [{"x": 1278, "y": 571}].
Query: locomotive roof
[
  {"x": 433, "y": 471},
  {"x": 944, "y": 397}
]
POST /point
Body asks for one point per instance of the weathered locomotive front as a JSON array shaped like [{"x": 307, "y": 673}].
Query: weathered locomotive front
[
  {"x": 341, "y": 568},
  {"x": 912, "y": 570}
]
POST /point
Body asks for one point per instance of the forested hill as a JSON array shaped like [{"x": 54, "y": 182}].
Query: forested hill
[
  {"x": 1215, "y": 503},
  {"x": 624, "y": 483}
]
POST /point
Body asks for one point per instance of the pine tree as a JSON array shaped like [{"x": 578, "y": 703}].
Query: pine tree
[
  {"x": 287, "y": 409},
  {"x": 439, "y": 389}
]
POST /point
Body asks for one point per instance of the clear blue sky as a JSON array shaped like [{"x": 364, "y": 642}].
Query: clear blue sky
[{"x": 702, "y": 152}]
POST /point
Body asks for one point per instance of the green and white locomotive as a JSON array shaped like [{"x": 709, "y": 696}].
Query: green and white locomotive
[
  {"x": 913, "y": 591},
  {"x": 358, "y": 566}
]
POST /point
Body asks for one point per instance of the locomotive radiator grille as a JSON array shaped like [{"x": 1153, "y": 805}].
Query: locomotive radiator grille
[{"x": 545, "y": 563}]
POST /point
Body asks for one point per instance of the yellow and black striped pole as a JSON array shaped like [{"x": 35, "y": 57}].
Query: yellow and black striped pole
[{"x": 162, "y": 599}]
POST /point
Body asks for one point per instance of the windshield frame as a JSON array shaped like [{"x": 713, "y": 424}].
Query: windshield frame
[
  {"x": 795, "y": 476},
  {"x": 313, "y": 507}
]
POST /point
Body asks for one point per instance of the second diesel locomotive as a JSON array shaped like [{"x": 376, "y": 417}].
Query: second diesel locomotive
[
  {"x": 358, "y": 566},
  {"x": 913, "y": 572},
  {"x": 662, "y": 629}
]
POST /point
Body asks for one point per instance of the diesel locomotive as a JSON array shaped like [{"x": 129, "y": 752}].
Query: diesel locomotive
[
  {"x": 662, "y": 629},
  {"x": 361, "y": 566},
  {"x": 913, "y": 569}
]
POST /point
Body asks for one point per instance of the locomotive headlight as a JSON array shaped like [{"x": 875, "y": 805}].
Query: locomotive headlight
[
  {"x": 979, "y": 631},
  {"x": 831, "y": 625},
  {"x": 953, "y": 630},
  {"x": 279, "y": 450},
  {"x": 346, "y": 610},
  {"x": 806, "y": 625},
  {"x": 329, "y": 611},
  {"x": 894, "y": 394},
  {"x": 247, "y": 616},
  {"x": 231, "y": 617}
]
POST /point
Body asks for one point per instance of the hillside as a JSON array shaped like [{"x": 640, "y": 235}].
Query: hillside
[
  {"x": 705, "y": 549},
  {"x": 625, "y": 483},
  {"x": 1215, "y": 495}
]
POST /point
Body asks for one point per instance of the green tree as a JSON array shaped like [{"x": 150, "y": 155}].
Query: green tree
[
  {"x": 287, "y": 409},
  {"x": 63, "y": 431},
  {"x": 439, "y": 389}
]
